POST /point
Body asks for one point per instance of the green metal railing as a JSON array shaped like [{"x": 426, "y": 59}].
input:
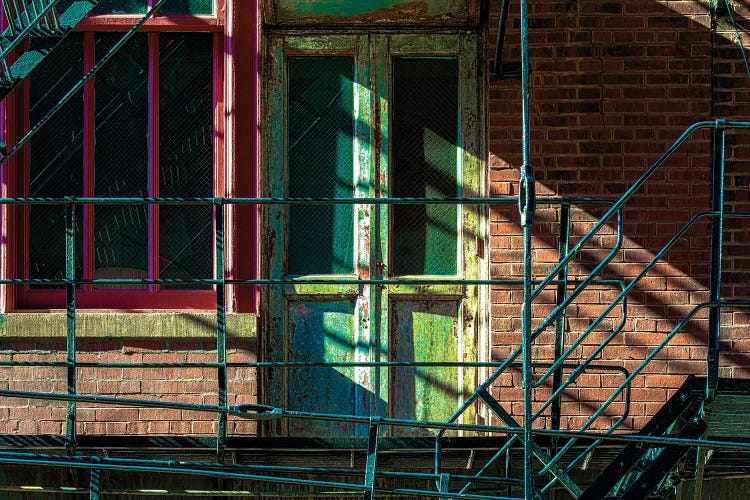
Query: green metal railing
[
  {"x": 558, "y": 277},
  {"x": 260, "y": 411},
  {"x": 556, "y": 460}
]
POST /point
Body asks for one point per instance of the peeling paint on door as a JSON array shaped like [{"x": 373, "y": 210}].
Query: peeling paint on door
[{"x": 378, "y": 12}]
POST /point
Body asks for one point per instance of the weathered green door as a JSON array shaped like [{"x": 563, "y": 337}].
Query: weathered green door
[{"x": 358, "y": 116}]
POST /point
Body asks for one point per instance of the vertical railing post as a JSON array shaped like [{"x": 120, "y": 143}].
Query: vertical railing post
[
  {"x": 372, "y": 458},
  {"x": 95, "y": 482},
  {"x": 717, "y": 248},
  {"x": 70, "y": 321},
  {"x": 500, "y": 41},
  {"x": 221, "y": 329},
  {"x": 562, "y": 288},
  {"x": 526, "y": 206}
]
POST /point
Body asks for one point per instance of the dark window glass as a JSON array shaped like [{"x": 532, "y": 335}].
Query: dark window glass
[
  {"x": 121, "y": 159},
  {"x": 424, "y": 138},
  {"x": 186, "y": 155},
  {"x": 320, "y": 154},
  {"x": 56, "y": 157},
  {"x": 190, "y": 7}
]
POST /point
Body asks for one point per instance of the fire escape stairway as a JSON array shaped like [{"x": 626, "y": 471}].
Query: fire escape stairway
[
  {"x": 640, "y": 469},
  {"x": 34, "y": 27}
]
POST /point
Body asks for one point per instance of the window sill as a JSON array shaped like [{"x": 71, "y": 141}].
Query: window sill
[{"x": 110, "y": 325}]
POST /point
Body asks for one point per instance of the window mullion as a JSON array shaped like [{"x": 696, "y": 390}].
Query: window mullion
[
  {"x": 153, "y": 157},
  {"x": 89, "y": 139}
]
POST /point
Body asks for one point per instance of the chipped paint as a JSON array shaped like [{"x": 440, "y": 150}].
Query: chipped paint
[
  {"x": 374, "y": 323},
  {"x": 374, "y": 12}
]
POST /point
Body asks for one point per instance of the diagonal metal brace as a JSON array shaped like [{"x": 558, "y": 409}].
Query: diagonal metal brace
[
  {"x": 372, "y": 458},
  {"x": 539, "y": 453}
]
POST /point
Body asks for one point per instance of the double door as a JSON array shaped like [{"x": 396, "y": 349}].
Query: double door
[{"x": 371, "y": 116}]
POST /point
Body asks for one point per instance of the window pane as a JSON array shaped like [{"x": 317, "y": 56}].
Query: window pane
[
  {"x": 321, "y": 152},
  {"x": 121, "y": 159},
  {"x": 121, "y": 7},
  {"x": 56, "y": 157},
  {"x": 425, "y": 150},
  {"x": 186, "y": 155},
  {"x": 188, "y": 7}
]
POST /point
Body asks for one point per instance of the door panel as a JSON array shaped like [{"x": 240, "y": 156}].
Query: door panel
[
  {"x": 357, "y": 116},
  {"x": 423, "y": 330},
  {"x": 322, "y": 332}
]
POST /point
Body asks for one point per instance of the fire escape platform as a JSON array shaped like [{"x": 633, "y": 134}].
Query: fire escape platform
[{"x": 730, "y": 421}]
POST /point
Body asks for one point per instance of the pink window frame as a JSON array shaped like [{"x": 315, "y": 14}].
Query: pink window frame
[{"x": 241, "y": 221}]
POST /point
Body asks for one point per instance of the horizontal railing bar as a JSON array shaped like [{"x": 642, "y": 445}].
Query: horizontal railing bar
[
  {"x": 297, "y": 364},
  {"x": 292, "y": 201},
  {"x": 288, "y": 281},
  {"x": 256, "y": 467},
  {"x": 95, "y": 463},
  {"x": 293, "y": 414}
]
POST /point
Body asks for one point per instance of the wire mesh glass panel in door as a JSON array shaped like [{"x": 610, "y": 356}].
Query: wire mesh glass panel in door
[
  {"x": 424, "y": 165},
  {"x": 121, "y": 159},
  {"x": 55, "y": 158},
  {"x": 320, "y": 151},
  {"x": 186, "y": 156}
]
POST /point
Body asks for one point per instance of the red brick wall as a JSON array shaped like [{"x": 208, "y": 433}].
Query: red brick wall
[
  {"x": 613, "y": 84},
  {"x": 182, "y": 384}
]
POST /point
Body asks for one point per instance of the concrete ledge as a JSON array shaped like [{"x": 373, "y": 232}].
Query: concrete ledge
[{"x": 126, "y": 325}]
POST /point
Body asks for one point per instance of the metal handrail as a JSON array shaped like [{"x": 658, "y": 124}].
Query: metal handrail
[{"x": 27, "y": 29}]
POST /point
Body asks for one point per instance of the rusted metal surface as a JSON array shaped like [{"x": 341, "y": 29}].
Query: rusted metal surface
[
  {"x": 424, "y": 330},
  {"x": 322, "y": 332},
  {"x": 374, "y": 12},
  {"x": 309, "y": 322}
]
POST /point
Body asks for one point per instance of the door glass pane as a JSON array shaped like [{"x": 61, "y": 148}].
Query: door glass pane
[
  {"x": 121, "y": 159},
  {"x": 425, "y": 151},
  {"x": 56, "y": 157},
  {"x": 320, "y": 152},
  {"x": 186, "y": 155}
]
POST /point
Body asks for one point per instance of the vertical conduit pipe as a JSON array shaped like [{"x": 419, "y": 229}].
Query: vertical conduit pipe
[
  {"x": 221, "y": 329},
  {"x": 717, "y": 244},
  {"x": 526, "y": 206},
  {"x": 70, "y": 322},
  {"x": 562, "y": 290}
]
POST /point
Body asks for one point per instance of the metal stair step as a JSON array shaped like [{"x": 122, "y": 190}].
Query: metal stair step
[{"x": 26, "y": 62}]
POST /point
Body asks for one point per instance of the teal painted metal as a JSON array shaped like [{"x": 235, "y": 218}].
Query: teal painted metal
[
  {"x": 221, "y": 330},
  {"x": 526, "y": 209},
  {"x": 372, "y": 458},
  {"x": 70, "y": 321},
  {"x": 95, "y": 482},
  {"x": 264, "y": 412},
  {"x": 717, "y": 252},
  {"x": 35, "y": 18},
  {"x": 736, "y": 33},
  {"x": 78, "y": 86},
  {"x": 373, "y": 12},
  {"x": 563, "y": 247}
]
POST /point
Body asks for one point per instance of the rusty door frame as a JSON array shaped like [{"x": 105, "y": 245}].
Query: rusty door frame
[
  {"x": 372, "y": 52},
  {"x": 463, "y": 45}
]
